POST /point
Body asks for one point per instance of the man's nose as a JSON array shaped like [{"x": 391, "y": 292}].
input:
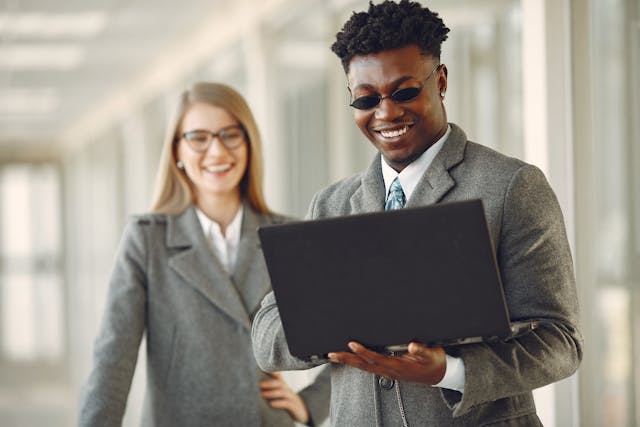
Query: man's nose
[{"x": 388, "y": 110}]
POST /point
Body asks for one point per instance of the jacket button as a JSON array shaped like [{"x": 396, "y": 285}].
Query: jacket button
[{"x": 386, "y": 383}]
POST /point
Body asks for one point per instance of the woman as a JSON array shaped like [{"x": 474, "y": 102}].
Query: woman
[{"x": 191, "y": 276}]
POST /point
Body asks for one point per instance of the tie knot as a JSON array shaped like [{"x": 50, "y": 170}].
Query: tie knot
[{"x": 395, "y": 199}]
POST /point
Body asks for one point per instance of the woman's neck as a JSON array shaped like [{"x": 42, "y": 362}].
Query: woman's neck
[{"x": 221, "y": 209}]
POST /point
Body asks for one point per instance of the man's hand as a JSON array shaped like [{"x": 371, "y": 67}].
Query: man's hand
[
  {"x": 280, "y": 396},
  {"x": 420, "y": 364}
]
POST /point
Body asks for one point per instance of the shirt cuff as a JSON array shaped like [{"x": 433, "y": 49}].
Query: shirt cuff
[{"x": 454, "y": 378}]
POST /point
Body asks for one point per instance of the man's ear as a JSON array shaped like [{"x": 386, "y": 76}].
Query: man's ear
[{"x": 442, "y": 79}]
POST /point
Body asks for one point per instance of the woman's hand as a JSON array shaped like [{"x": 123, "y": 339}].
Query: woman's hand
[{"x": 279, "y": 395}]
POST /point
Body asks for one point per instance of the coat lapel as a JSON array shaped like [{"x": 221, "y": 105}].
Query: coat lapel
[
  {"x": 436, "y": 181},
  {"x": 250, "y": 275},
  {"x": 370, "y": 196},
  {"x": 193, "y": 261}
]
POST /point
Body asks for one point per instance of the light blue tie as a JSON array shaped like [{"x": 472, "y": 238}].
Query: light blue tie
[{"x": 395, "y": 199}]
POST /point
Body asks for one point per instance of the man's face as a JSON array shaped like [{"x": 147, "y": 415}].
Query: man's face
[{"x": 400, "y": 131}]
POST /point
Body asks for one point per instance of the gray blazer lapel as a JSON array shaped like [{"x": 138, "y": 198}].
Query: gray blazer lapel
[
  {"x": 250, "y": 275},
  {"x": 437, "y": 181},
  {"x": 193, "y": 260},
  {"x": 370, "y": 196}
]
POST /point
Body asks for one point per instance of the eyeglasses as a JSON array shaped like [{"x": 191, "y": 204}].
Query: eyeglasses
[
  {"x": 200, "y": 140},
  {"x": 399, "y": 96}
]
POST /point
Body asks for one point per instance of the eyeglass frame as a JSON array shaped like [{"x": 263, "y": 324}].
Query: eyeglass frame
[
  {"x": 395, "y": 92},
  {"x": 216, "y": 135}
]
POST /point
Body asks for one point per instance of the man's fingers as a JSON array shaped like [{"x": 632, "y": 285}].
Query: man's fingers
[
  {"x": 368, "y": 355},
  {"x": 346, "y": 358},
  {"x": 421, "y": 351},
  {"x": 384, "y": 367},
  {"x": 351, "y": 360}
]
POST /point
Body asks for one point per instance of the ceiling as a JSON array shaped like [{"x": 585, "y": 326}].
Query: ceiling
[
  {"x": 60, "y": 59},
  {"x": 67, "y": 65}
]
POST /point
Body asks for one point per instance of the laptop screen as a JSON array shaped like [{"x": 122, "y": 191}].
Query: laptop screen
[{"x": 425, "y": 274}]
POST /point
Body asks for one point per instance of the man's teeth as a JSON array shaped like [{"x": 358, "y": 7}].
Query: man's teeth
[
  {"x": 394, "y": 133},
  {"x": 218, "y": 168}
]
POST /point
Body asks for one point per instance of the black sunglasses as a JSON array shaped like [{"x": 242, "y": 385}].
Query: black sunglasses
[{"x": 406, "y": 94}]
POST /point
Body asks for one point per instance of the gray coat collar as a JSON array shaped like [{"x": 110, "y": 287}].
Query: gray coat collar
[
  {"x": 250, "y": 276},
  {"x": 437, "y": 180},
  {"x": 192, "y": 259},
  {"x": 369, "y": 197},
  {"x": 433, "y": 185}
]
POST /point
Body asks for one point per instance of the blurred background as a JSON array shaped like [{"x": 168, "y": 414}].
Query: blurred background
[{"x": 86, "y": 89}]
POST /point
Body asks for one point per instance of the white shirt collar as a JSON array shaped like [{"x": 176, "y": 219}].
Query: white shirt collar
[
  {"x": 411, "y": 174},
  {"x": 233, "y": 230},
  {"x": 224, "y": 247}
]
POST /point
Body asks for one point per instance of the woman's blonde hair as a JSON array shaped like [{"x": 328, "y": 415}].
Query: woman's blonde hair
[{"x": 173, "y": 189}]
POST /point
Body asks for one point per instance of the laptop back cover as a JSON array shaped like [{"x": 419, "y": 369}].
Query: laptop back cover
[{"x": 425, "y": 274}]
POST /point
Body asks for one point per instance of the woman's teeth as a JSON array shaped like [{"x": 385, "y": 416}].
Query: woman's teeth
[
  {"x": 218, "y": 168},
  {"x": 394, "y": 133}
]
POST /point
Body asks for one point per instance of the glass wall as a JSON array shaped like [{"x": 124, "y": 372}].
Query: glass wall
[
  {"x": 298, "y": 71},
  {"x": 616, "y": 156},
  {"x": 33, "y": 306},
  {"x": 484, "y": 93},
  {"x": 31, "y": 253}
]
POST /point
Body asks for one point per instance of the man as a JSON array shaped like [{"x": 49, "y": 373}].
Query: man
[{"x": 391, "y": 56}]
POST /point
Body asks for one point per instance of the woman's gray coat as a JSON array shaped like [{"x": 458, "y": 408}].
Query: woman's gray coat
[{"x": 200, "y": 369}]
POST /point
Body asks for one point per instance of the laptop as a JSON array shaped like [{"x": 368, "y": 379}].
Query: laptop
[{"x": 384, "y": 279}]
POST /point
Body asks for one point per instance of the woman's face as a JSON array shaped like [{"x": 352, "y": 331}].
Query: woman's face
[{"x": 218, "y": 170}]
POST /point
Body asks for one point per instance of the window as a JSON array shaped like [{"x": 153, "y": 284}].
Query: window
[
  {"x": 616, "y": 38},
  {"x": 31, "y": 296}
]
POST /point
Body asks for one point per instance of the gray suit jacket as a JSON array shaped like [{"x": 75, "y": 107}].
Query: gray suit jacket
[
  {"x": 200, "y": 370},
  {"x": 527, "y": 228}
]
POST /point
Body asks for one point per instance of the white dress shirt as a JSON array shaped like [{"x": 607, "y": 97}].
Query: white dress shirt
[
  {"x": 454, "y": 377},
  {"x": 224, "y": 247}
]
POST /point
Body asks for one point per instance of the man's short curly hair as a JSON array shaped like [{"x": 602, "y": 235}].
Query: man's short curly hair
[{"x": 390, "y": 25}]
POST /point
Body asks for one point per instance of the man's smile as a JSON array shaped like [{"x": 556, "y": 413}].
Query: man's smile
[{"x": 393, "y": 132}]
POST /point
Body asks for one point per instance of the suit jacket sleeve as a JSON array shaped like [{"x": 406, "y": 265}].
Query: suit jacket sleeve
[
  {"x": 536, "y": 267},
  {"x": 104, "y": 396},
  {"x": 269, "y": 344}
]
